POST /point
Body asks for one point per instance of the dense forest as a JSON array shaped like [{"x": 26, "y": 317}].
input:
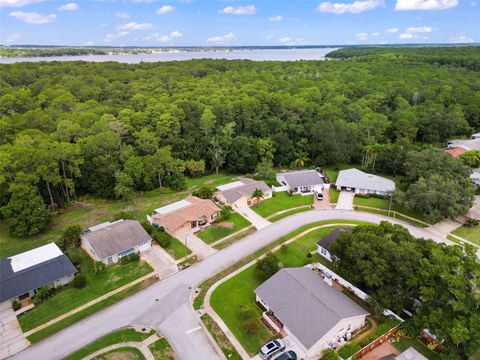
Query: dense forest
[{"x": 110, "y": 129}]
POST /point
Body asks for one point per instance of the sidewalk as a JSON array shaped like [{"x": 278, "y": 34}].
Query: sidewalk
[
  {"x": 197, "y": 245},
  {"x": 256, "y": 220}
]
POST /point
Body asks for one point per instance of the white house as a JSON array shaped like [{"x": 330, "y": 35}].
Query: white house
[
  {"x": 21, "y": 275},
  {"x": 475, "y": 177},
  {"x": 314, "y": 314},
  {"x": 323, "y": 246},
  {"x": 238, "y": 194},
  {"x": 301, "y": 181},
  {"x": 363, "y": 183},
  {"x": 110, "y": 241}
]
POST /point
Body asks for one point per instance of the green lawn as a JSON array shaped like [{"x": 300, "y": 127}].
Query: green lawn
[
  {"x": 122, "y": 335},
  {"x": 237, "y": 293},
  {"x": 220, "y": 338},
  {"x": 288, "y": 213},
  {"x": 469, "y": 233},
  {"x": 405, "y": 343},
  {"x": 91, "y": 211},
  {"x": 177, "y": 249},
  {"x": 219, "y": 231},
  {"x": 70, "y": 298},
  {"x": 126, "y": 352},
  {"x": 161, "y": 350},
  {"x": 281, "y": 201},
  {"x": 334, "y": 194}
]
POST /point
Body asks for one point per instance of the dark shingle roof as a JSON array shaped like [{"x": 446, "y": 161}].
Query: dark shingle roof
[
  {"x": 13, "y": 284},
  {"x": 306, "y": 304},
  {"x": 330, "y": 238},
  {"x": 302, "y": 178}
]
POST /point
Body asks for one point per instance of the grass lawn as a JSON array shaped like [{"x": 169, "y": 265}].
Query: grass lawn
[
  {"x": 177, "y": 249},
  {"x": 288, "y": 213},
  {"x": 234, "y": 239},
  {"x": 126, "y": 352},
  {"x": 220, "y": 338},
  {"x": 281, "y": 201},
  {"x": 334, "y": 194},
  {"x": 161, "y": 350},
  {"x": 125, "y": 334},
  {"x": 405, "y": 343},
  {"x": 220, "y": 230},
  {"x": 91, "y": 211},
  {"x": 70, "y": 298},
  {"x": 469, "y": 233},
  {"x": 237, "y": 294}
]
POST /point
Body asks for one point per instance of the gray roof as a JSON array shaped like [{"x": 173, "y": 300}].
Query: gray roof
[
  {"x": 331, "y": 237},
  {"x": 116, "y": 237},
  {"x": 13, "y": 284},
  {"x": 471, "y": 144},
  {"x": 354, "y": 178},
  {"x": 302, "y": 178},
  {"x": 247, "y": 189},
  {"x": 306, "y": 304},
  {"x": 411, "y": 354}
]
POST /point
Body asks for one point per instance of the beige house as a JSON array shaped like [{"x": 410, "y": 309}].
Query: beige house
[
  {"x": 189, "y": 214},
  {"x": 238, "y": 194},
  {"x": 311, "y": 312}
]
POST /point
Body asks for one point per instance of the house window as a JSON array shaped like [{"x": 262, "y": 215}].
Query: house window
[
  {"x": 324, "y": 252},
  {"x": 349, "y": 327},
  {"x": 110, "y": 260}
]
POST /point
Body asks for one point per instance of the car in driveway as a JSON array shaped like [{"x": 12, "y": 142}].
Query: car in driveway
[
  {"x": 319, "y": 195},
  {"x": 272, "y": 348},
  {"x": 289, "y": 355}
]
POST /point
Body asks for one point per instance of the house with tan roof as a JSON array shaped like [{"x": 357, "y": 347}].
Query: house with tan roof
[
  {"x": 189, "y": 214},
  {"x": 238, "y": 194}
]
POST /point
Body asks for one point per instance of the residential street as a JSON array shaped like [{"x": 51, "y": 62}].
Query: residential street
[{"x": 172, "y": 313}]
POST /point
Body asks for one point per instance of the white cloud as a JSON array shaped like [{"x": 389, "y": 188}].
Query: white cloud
[
  {"x": 290, "y": 41},
  {"x": 239, "y": 10},
  {"x": 222, "y": 39},
  {"x": 88, "y": 43},
  {"x": 14, "y": 37},
  {"x": 407, "y": 36},
  {"x": 362, "y": 36},
  {"x": 419, "y": 29},
  {"x": 135, "y": 26},
  {"x": 164, "y": 38},
  {"x": 33, "y": 17},
  {"x": 165, "y": 9},
  {"x": 17, "y": 3},
  {"x": 375, "y": 34},
  {"x": 403, "y": 5},
  {"x": 392, "y": 30},
  {"x": 108, "y": 38},
  {"x": 68, "y": 7},
  {"x": 354, "y": 7},
  {"x": 461, "y": 39},
  {"x": 123, "y": 33},
  {"x": 276, "y": 18},
  {"x": 122, "y": 15}
]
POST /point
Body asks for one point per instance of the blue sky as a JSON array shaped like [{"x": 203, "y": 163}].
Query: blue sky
[{"x": 235, "y": 23}]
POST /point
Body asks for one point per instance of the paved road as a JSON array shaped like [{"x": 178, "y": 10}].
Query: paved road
[{"x": 172, "y": 313}]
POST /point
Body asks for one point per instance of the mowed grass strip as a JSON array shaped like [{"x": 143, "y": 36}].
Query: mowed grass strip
[
  {"x": 126, "y": 352},
  {"x": 470, "y": 233},
  {"x": 69, "y": 298},
  {"x": 116, "y": 337},
  {"x": 288, "y": 213},
  {"x": 161, "y": 350},
  {"x": 220, "y": 338},
  {"x": 281, "y": 201},
  {"x": 220, "y": 230}
]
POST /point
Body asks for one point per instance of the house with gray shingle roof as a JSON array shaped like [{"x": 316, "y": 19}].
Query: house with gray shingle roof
[
  {"x": 313, "y": 313},
  {"x": 238, "y": 194},
  {"x": 364, "y": 183},
  {"x": 301, "y": 181},
  {"x": 109, "y": 242}
]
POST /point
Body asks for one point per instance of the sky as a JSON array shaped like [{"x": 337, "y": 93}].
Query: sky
[{"x": 237, "y": 22}]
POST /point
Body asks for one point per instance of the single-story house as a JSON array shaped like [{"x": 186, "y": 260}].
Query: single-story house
[
  {"x": 109, "y": 242},
  {"x": 21, "y": 275},
  {"x": 475, "y": 177},
  {"x": 458, "y": 147},
  {"x": 238, "y": 194},
  {"x": 410, "y": 354},
  {"x": 363, "y": 183},
  {"x": 298, "y": 302},
  {"x": 301, "y": 181},
  {"x": 323, "y": 245},
  {"x": 189, "y": 214},
  {"x": 475, "y": 136}
]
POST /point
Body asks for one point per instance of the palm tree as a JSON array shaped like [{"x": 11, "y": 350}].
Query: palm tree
[{"x": 258, "y": 195}]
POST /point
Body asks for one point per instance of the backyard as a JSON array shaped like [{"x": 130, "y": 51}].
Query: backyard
[
  {"x": 471, "y": 233},
  {"x": 218, "y": 231},
  {"x": 70, "y": 298},
  {"x": 281, "y": 201},
  {"x": 88, "y": 211},
  {"x": 235, "y": 298}
]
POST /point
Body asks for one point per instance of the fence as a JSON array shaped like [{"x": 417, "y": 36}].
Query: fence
[{"x": 375, "y": 343}]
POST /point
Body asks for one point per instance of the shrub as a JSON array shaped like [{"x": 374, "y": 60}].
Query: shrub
[
  {"x": 16, "y": 305},
  {"x": 134, "y": 257},
  {"x": 79, "y": 281},
  {"x": 225, "y": 214},
  {"x": 348, "y": 350},
  {"x": 252, "y": 326},
  {"x": 149, "y": 228},
  {"x": 309, "y": 255},
  {"x": 71, "y": 236},
  {"x": 267, "y": 266},
  {"x": 98, "y": 268},
  {"x": 472, "y": 222},
  {"x": 330, "y": 354},
  {"x": 203, "y": 192},
  {"x": 162, "y": 239},
  {"x": 43, "y": 294},
  {"x": 176, "y": 182},
  {"x": 75, "y": 258},
  {"x": 125, "y": 215}
]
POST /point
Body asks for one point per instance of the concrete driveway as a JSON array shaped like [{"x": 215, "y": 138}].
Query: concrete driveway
[
  {"x": 474, "y": 212},
  {"x": 12, "y": 339},
  {"x": 166, "y": 304},
  {"x": 197, "y": 245},
  {"x": 256, "y": 220},
  {"x": 160, "y": 261},
  {"x": 345, "y": 200}
]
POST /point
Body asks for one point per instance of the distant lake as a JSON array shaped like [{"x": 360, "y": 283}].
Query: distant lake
[{"x": 254, "y": 54}]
